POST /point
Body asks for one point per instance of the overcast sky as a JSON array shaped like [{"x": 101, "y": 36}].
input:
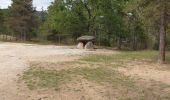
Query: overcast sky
[{"x": 37, "y": 3}]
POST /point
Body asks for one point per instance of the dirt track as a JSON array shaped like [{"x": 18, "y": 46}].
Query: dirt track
[{"x": 14, "y": 59}]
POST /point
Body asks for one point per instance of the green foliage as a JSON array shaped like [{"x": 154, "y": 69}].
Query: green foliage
[
  {"x": 62, "y": 19},
  {"x": 23, "y": 21},
  {"x": 107, "y": 20},
  {"x": 1, "y": 20},
  {"x": 168, "y": 37},
  {"x": 87, "y": 18},
  {"x": 144, "y": 10}
]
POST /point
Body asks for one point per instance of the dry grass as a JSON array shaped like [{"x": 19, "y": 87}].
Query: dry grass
[{"x": 101, "y": 70}]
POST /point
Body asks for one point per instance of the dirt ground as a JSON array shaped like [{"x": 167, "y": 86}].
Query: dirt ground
[
  {"x": 16, "y": 57},
  {"x": 148, "y": 71}
]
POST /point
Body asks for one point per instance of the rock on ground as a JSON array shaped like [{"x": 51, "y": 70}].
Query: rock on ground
[
  {"x": 80, "y": 45},
  {"x": 89, "y": 45}
]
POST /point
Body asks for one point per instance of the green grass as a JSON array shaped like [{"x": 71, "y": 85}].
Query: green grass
[
  {"x": 40, "y": 77},
  {"x": 37, "y": 77},
  {"x": 104, "y": 75},
  {"x": 126, "y": 56}
]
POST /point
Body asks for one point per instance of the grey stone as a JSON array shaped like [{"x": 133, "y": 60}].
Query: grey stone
[
  {"x": 86, "y": 39},
  {"x": 89, "y": 46},
  {"x": 80, "y": 45}
]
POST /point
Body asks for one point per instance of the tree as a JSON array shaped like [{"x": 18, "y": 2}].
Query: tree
[
  {"x": 160, "y": 10},
  {"x": 1, "y": 20},
  {"x": 136, "y": 34},
  {"x": 23, "y": 21},
  {"x": 82, "y": 17},
  {"x": 66, "y": 17},
  {"x": 113, "y": 23},
  {"x": 162, "y": 31}
]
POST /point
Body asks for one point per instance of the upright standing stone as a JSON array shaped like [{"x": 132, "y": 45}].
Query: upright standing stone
[
  {"x": 89, "y": 45},
  {"x": 80, "y": 45}
]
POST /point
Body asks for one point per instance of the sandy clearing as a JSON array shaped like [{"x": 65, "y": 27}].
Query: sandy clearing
[
  {"x": 14, "y": 59},
  {"x": 147, "y": 71},
  {"x": 75, "y": 90}
]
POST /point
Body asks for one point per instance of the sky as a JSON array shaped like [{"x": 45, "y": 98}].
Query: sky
[{"x": 37, "y": 3}]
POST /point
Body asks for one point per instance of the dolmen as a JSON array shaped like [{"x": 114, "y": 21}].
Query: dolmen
[{"x": 86, "y": 42}]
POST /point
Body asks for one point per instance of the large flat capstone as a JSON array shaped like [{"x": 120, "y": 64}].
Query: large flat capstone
[{"x": 86, "y": 39}]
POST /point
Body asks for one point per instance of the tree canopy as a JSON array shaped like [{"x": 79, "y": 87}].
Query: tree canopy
[{"x": 23, "y": 21}]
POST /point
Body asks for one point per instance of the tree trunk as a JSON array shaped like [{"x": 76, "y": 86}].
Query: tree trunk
[
  {"x": 162, "y": 38},
  {"x": 120, "y": 43},
  {"x": 134, "y": 41},
  {"x": 25, "y": 35}
]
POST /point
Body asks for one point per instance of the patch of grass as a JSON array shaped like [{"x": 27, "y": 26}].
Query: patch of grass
[
  {"x": 98, "y": 69},
  {"x": 126, "y": 56},
  {"x": 45, "y": 78},
  {"x": 123, "y": 86},
  {"x": 37, "y": 77},
  {"x": 104, "y": 75},
  {"x": 126, "y": 87}
]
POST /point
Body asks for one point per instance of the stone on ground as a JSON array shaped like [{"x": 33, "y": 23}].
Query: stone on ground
[
  {"x": 89, "y": 45},
  {"x": 80, "y": 45}
]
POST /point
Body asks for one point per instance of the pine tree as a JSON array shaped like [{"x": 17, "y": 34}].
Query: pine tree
[
  {"x": 1, "y": 21},
  {"x": 23, "y": 20}
]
